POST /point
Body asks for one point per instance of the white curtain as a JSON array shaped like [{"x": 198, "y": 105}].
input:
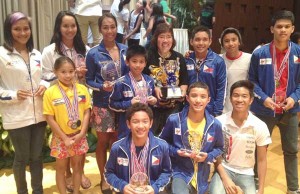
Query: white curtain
[{"x": 42, "y": 13}]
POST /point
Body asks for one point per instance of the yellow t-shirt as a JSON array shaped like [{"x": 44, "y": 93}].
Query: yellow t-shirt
[
  {"x": 54, "y": 104},
  {"x": 199, "y": 129}
]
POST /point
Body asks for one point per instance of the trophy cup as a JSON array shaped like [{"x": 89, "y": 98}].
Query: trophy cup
[
  {"x": 110, "y": 72},
  {"x": 192, "y": 141},
  {"x": 79, "y": 60},
  {"x": 279, "y": 98},
  {"x": 139, "y": 181},
  {"x": 171, "y": 91}
]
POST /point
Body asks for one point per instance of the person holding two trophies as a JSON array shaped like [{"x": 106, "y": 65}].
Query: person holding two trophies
[
  {"x": 105, "y": 64},
  {"x": 195, "y": 139},
  {"x": 140, "y": 162},
  {"x": 168, "y": 69}
]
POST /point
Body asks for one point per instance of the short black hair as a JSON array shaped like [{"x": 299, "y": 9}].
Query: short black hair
[
  {"x": 197, "y": 85},
  {"x": 136, "y": 108},
  {"x": 243, "y": 84},
  {"x": 135, "y": 50},
  {"x": 200, "y": 29},
  {"x": 61, "y": 60},
  {"x": 283, "y": 14}
]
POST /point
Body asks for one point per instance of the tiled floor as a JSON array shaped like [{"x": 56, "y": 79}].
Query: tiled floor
[{"x": 275, "y": 180}]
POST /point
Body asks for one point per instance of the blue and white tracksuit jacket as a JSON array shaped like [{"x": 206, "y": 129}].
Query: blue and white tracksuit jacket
[
  {"x": 96, "y": 58},
  {"x": 120, "y": 100},
  {"x": 159, "y": 170},
  {"x": 213, "y": 142},
  {"x": 213, "y": 73},
  {"x": 261, "y": 73}
]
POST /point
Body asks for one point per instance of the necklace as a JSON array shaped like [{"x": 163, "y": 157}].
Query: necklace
[{"x": 165, "y": 56}]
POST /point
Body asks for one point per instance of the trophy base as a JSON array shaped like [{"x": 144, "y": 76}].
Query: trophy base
[{"x": 171, "y": 92}]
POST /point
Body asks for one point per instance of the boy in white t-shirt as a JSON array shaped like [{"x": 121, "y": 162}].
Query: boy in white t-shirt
[{"x": 243, "y": 133}]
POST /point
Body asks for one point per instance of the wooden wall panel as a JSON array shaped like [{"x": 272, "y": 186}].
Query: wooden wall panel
[{"x": 251, "y": 17}]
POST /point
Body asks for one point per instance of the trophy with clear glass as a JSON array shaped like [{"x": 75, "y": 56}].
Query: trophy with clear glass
[
  {"x": 111, "y": 72},
  {"x": 139, "y": 182}
]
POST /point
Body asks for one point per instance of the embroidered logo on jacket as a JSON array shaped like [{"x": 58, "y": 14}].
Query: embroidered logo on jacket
[
  {"x": 122, "y": 161},
  {"x": 208, "y": 69},
  {"x": 266, "y": 61},
  {"x": 296, "y": 60},
  {"x": 177, "y": 131},
  {"x": 155, "y": 161},
  {"x": 209, "y": 138}
]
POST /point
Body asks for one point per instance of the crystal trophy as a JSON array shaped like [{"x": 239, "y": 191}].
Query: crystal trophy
[{"x": 192, "y": 142}]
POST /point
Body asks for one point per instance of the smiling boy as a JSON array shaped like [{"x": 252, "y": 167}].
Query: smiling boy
[{"x": 191, "y": 170}]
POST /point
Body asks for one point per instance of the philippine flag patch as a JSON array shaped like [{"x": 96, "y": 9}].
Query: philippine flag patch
[
  {"x": 155, "y": 161},
  {"x": 81, "y": 98},
  {"x": 296, "y": 60},
  {"x": 210, "y": 138},
  {"x": 208, "y": 69}
]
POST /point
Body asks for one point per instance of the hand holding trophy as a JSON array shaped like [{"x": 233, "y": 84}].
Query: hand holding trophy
[
  {"x": 192, "y": 141},
  {"x": 111, "y": 73}
]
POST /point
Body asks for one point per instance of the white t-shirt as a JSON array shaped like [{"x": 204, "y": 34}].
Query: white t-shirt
[
  {"x": 237, "y": 69},
  {"x": 121, "y": 17},
  {"x": 88, "y": 7},
  {"x": 133, "y": 20},
  {"x": 240, "y": 142}
]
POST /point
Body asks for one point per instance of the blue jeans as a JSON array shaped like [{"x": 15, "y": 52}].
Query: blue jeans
[
  {"x": 245, "y": 182},
  {"x": 28, "y": 143},
  {"x": 179, "y": 186},
  {"x": 288, "y": 126}
]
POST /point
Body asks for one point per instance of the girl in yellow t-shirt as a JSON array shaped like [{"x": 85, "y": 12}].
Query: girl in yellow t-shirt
[{"x": 67, "y": 109}]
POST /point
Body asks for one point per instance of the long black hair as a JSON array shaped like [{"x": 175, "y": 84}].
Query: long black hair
[
  {"x": 57, "y": 37},
  {"x": 122, "y": 3}
]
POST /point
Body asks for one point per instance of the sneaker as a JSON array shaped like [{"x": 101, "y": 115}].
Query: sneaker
[
  {"x": 293, "y": 192},
  {"x": 256, "y": 184}
]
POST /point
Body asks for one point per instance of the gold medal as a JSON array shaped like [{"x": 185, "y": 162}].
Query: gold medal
[{"x": 277, "y": 84}]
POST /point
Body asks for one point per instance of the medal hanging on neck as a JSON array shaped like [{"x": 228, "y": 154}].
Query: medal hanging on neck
[
  {"x": 283, "y": 65},
  {"x": 72, "y": 109},
  {"x": 138, "y": 163},
  {"x": 139, "y": 90},
  {"x": 198, "y": 66}
]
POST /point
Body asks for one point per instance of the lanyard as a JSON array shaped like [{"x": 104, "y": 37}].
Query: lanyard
[
  {"x": 284, "y": 63},
  {"x": 72, "y": 109},
  {"x": 138, "y": 163},
  {"x": 140, "y": 91}
]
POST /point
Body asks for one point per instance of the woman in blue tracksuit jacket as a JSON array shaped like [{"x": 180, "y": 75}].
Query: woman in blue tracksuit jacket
[
  {"x": 261, "y": 73},
  {"x": 117, "y": 169},
  {"x": 120, "y": 100},
  {"x": 213, "y": 73},
  {"x": 183, "y": 167}
]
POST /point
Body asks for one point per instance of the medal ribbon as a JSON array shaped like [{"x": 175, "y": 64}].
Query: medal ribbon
[
  {"x": 138, "y": 163},
  {"x": 140, "y": 91},
  {"x": 71, "y": 109},
  {"x": 64, "y": 51},
  {"x": 278, "y": 73}
]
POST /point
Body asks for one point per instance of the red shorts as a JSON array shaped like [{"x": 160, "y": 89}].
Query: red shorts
[{"x": 61, "y": 151}]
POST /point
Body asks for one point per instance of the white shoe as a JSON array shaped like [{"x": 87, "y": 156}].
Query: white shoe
[{"x": 293, "y": 192}]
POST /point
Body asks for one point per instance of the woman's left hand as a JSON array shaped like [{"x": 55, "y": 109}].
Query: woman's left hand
[
  {"x": 81, "y": 71},
  {"x": 78, "y": 137},
  {"x": 40, "y": 91},
  {"x": 151, "y": 100}
]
